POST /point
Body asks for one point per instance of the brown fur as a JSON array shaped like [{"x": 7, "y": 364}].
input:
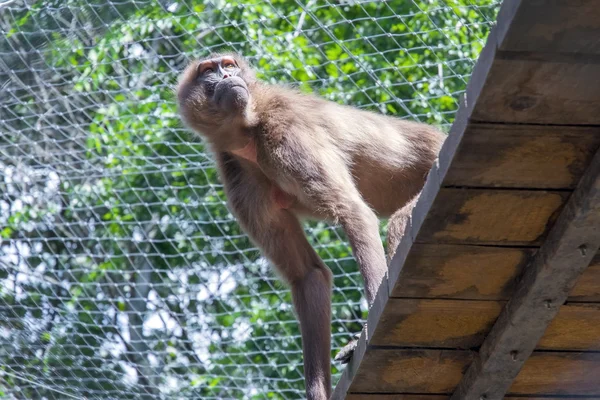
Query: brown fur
[{"x": 332, "y": 162}]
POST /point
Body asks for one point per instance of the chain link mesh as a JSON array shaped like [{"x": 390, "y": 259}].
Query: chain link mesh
[{"x": 122, "y": 273}]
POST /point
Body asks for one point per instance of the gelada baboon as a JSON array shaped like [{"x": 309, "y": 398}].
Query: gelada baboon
[{"x": 283, "y": 155}]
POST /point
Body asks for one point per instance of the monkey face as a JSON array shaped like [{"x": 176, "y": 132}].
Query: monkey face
[
  {"x": 215, "y": 90},
  {"x": 221, "y": 82}
]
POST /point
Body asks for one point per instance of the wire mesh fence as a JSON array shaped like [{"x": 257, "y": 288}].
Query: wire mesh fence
[{"x": 122, "y": 273}]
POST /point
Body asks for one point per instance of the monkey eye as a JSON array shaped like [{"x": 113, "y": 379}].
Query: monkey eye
[
  {"x": 205, "y": 68},
  {"x": 228, "y": 63}
]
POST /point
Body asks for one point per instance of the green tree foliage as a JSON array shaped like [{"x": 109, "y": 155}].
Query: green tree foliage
[{"x": 122, "y": 273}]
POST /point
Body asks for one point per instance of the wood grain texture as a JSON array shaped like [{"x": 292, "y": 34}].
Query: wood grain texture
[
  {"x": 542, "y": 26},
  {"x": 397, "y": 397},
  {"x": 516, "y": 156},
  {"x": 491, "y": 217},
  {"x": 461, "y": 272},
  {"x": 587, "y": 287},
  {"x": 576, "y": 327},
  {"x": 513, "y": 397},
  {"x": 477, "y": 273},
  {"x": 569, "y": 248},
  {"x": 559, "y": 374},
  {"x": 509, "y": 85},
  {"x": 435, "y": 323},
  {"x": 358, "y": 396},
  {"x": 410, "y": 371},
  {"x": 540, "y": 92},
  {"x": 465, "y": 324},
  {"x": 397, "y": 371}
]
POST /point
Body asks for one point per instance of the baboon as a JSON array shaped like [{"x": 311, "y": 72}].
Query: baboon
[{"x": 283, "y": 155}]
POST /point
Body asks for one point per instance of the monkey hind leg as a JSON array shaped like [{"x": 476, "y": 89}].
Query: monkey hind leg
[{"x": 397, "y": 225}]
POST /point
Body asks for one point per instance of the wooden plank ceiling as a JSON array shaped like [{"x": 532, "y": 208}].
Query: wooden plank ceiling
[{"x": 485, "y": 227}]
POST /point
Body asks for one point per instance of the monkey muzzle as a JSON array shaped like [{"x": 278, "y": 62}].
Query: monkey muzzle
[{"x": 232, "y": 94}]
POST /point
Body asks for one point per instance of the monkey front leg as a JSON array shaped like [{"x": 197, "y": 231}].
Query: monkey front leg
[
  {"x": 261, "y": 212},
  {"x": 312, "y": 300},
  {"x": 285, "y": 244}
]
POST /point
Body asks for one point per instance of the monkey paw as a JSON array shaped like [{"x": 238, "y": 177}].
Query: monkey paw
[{"x": 345, "y": 354}]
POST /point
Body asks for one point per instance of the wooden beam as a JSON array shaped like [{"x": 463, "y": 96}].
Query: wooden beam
[
  {"x": 454, "y": 271},
  {"x": 546, "y": 66},
  {"x": 396, "y": 370},
  {"x": 541, "y": 26},
  {"x": 569, "y": 248},
  {"x": 397, "y": 397},
  {"x": 523, "y": 156},
  {"x": 492, "y": 217},
  {"x": 531, "y": 89},
  {"x": 464, "y": 324},
  {"x": 438, "y": 371},
  {"x": 445, "y": 397}
]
